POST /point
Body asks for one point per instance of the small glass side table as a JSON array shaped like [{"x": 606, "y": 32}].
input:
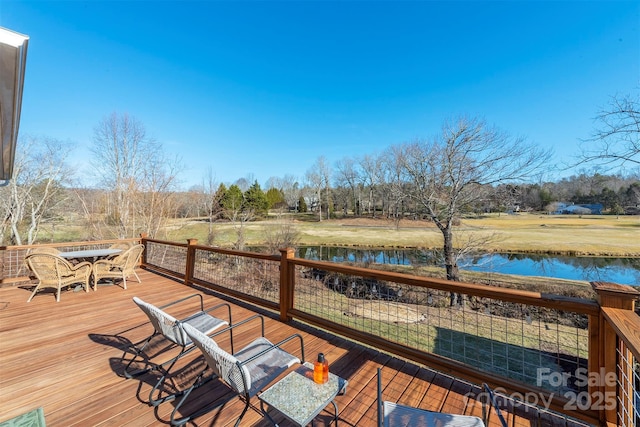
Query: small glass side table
[{"x": 300, "y": 399}]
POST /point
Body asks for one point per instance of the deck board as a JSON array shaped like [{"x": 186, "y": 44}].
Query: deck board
[{"x": 67, "y": 358}]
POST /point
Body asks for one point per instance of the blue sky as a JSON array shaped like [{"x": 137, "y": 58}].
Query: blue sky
[{"x": 263, "y": 88}]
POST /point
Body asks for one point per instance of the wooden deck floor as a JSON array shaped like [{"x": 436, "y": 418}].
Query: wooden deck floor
[{"x": 67, "y": 358}]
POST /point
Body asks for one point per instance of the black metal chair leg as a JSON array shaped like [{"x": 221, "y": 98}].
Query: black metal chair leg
[
  {"x": 206, "y": 409},
  {"x": 139, "y": 351},
  {"x": 183, "y": 420},
  {"x": 244, "y": 411},
  {"x": 160, "y": 383}
]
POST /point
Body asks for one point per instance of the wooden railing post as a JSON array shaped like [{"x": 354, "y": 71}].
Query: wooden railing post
[
  {"x": 621, "y": 297},
  {"x": 615, "y": 296},
  {"x": 191, "y": 260},
  {"x": 287, "y": 283},
  {"x": 143, "y": 238}
]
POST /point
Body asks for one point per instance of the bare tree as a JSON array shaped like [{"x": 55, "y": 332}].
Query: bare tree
[
  {"x": 380, "y": 177},
  {"x": 318, "y": 178},
  {"x": 392, "y": 183},
  {"x": 325, "y": 172},
  {"x": 508, "y": 198},
  {"x": 369, "y": 166},
  {"x": 289, "y": 186},
  {"x": 347, "y": 175},
  {"x": 212, "y": 201},
  {"x": 445, "y": 176},
  {"x": 281, "y": 234},
  {"x": 91, "y": 201},
  {"x": 236, "y": 211},
  {"x": 245, "y": 182},
  {"x": 138, "y": 177},
  {"x": 291, "y": 190},
  {"x": 155, "y": 201},
  {"x": 616, "y": 140},
  {"x": 38, "y": 187},
  {"x": 273, "y": 182}
]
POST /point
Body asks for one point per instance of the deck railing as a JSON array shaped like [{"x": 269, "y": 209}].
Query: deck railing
[
  {"x": 572, "y": 355},
  {"x": 619, "y": 377}
]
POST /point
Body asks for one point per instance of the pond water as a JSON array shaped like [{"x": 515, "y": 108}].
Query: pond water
[{"x": 625, "y": 271}]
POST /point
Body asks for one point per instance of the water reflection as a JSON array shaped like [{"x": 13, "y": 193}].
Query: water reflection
[{"x": 619, "y": 270}]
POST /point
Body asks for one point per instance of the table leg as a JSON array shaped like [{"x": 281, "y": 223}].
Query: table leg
[{"x": 267, "y": 414}]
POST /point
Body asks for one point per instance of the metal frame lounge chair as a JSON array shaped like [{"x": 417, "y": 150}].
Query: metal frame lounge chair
[
  {"x": 491, "y": 403},
  {"x": 391, "y": 414},
  {"x": 246, "y": 372},
  {"x": 171, "y": 329},
  {"x": 119, "y": 267},
  {"x": 54, "y": 271}
]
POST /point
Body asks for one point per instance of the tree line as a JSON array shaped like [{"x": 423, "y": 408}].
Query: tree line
[{"x": 468, "y": 168}]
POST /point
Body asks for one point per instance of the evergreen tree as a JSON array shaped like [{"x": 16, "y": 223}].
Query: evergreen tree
[
  {"x": 233, "y": 200},
  {"x": 609, "y": 200},
  {"x": 219, "y": 196},
  {"x": 302, "y": 205},
  {"x": 275, "y": 199},
  {"x": 256, "y": 200}
]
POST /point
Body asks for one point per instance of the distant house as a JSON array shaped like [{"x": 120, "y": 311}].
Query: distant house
[
  {"x": 583, "y": 209},
  {"x": 595, "y": 208}
]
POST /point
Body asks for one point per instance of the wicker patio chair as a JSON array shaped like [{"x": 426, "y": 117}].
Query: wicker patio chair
[
  {"x": 44, "y": 250},
  {"x": 245, "y": 372},
  {"x": 123, "y": 246},
  {"x": 172, "y": 330},
  {"x": 121, "y": 266},
  {"x": 54, "y": 271}
]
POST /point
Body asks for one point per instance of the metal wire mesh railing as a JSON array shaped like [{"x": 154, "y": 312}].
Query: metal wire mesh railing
[
  {"x": 170, "y": 257},
  {"x": 248, "y": 274},
  {"x": 12, "y": 264},
  {"x": 628, "y": 385},
  {"x": 535, "y": 345}
]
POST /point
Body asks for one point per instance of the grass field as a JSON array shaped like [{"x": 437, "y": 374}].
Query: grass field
[
  {"x": 601, "y": 235},
  {"x": 592, "y": 235}
]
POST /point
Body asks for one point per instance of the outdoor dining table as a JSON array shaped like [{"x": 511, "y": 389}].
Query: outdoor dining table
[{"x": 90, "y": 255}]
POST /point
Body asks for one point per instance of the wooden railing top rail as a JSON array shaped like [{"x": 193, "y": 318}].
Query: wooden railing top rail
[
  {"x": 67, "y": 244},
  {"x": 166, "y": 242},
  {"x": 625, "y": 323},
  {"x": 245, "y": 254},
  {"x": 578, "y": 305}
]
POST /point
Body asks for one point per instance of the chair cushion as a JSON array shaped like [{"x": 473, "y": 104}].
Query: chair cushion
[
  {"x": 203, "y": 322},
  {"x": 265, "y": 368},
  {"x": 396, "y": 415}
]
